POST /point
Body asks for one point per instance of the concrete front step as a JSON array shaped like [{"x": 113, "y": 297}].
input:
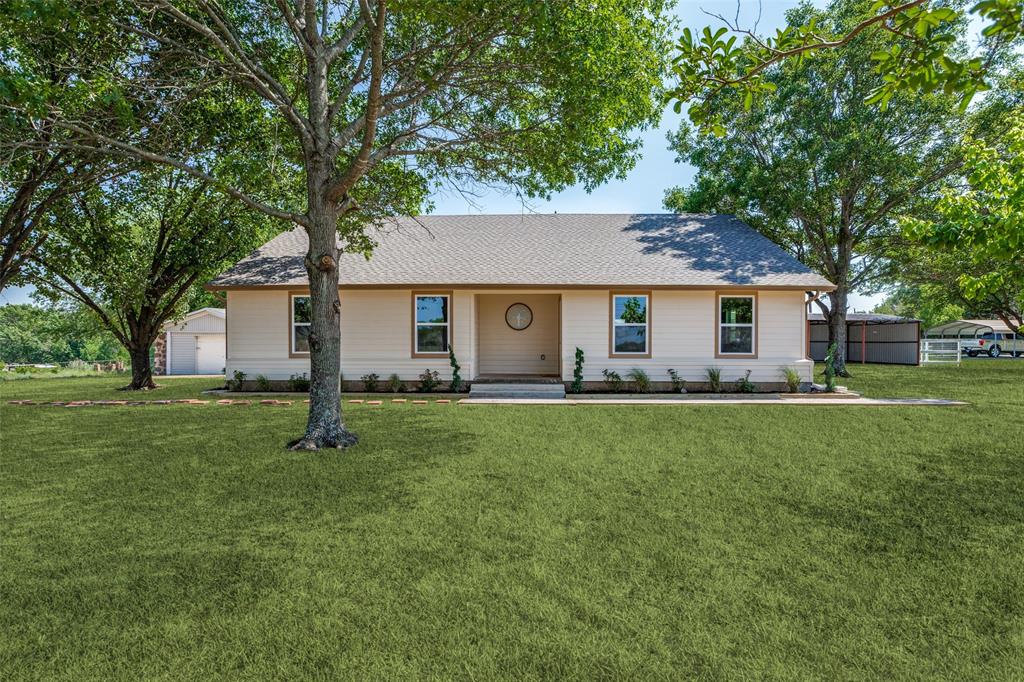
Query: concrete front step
[{"x": 543, "y": 391}]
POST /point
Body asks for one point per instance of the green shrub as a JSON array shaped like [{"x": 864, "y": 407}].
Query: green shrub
[
  {"x": 641, "y": 381},
  {"x": 577, "y": 372},
  {"x": 830, "y": 368},
  {"x": 744, "y": 384},
  {"x": 370, "y": 382},
  {"x": 429, "y": 381},
  {"x": 395, "y": 384},
  {"x": 262, "y": 382},
  {"x": 456, "y": 384},
  {"x": 714, "y": 379},
  {"x": 612, "y": 380},
  {"x": 678, "y": 383},
  {"x": 792, "y": 379},
  {"x": 237, "y": 381},
  {"x": 298, "y": 383}
]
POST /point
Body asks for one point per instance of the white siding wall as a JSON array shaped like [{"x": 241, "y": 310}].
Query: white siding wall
[
  {"x": 257, "y": 328},
  {"x": 199, "y": 325},
  {"x": 377, "y": 335},
  {"x": 683, "y": 336}
]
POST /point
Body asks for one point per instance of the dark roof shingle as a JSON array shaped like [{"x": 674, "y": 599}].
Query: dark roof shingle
[{"x": 538, "y": 250}]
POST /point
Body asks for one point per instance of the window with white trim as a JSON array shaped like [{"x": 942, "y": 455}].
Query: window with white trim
[
  {"x": 630, "y": 325},
  {"x": 301, "y": 317},
  {"x": 736, "y": 325},
  {"x": 433, "y": 324}
]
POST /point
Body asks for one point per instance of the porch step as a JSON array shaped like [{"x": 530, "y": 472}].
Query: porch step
[{"x": 548, "y": 391}]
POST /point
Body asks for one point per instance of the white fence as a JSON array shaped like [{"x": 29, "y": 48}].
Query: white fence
[{"x": 940, "y": 350}]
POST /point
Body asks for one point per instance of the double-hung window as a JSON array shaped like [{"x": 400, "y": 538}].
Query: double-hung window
[
  {"x": 432, "y": 332},
  {"x": 736, "y": 333},
  {"x": 631, "y": 325},
  {"x": 299, "y": 317}
]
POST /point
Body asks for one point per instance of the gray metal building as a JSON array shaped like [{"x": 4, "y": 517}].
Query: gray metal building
[{"x": 871, "y": 337}]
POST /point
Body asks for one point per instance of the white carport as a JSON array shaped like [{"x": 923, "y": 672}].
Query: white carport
[
  {"x": 965, "y": 329},
  {"x": 196, "y": 344}
]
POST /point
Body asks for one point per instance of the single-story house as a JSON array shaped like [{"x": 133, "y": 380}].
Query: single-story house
[
  {"x": 515, "y": 295},
  {"x": 871, "y": 337},
  {"x": 196, "y": 344}
]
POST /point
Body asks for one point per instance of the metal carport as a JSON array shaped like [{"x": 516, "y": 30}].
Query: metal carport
[{"x": 871, "y": 337}]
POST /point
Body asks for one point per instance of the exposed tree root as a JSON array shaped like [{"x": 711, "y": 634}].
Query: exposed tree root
[{"x": 345, "y": 439}]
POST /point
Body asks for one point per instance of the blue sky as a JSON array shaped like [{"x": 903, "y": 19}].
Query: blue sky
[{"x": 642, "y": 190}]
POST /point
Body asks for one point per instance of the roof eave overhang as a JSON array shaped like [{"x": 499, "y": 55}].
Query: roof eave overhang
[{"x": 212, "y": 286}]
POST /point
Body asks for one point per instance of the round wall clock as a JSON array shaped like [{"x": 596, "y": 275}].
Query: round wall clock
[{"x": 519, "y": 316}]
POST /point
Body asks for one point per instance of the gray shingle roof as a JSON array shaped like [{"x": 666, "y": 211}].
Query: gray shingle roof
[{"x": 550, "y": 249}]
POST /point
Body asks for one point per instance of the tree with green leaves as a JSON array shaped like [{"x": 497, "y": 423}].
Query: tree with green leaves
[
  {"x": 926, "y": 58},
  {"x": 38, "y": 174},
  {"x": 377, "y": 102},
  {"x": 134, "y": 250},
  {"x": 982, "y": 225},
  {"x": 817, "y": 169},
  {"x": 32, "y": 334}
]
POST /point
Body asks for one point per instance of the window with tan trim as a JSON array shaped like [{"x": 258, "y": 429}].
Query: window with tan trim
[
  {"x": 299, "y": 318},
  {"x": 737, "y": 334},
  {"x": 631, "y": 326},
  {"x": 432, "y": 324}
]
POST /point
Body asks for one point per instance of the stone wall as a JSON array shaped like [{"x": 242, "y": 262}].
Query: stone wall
[{"x": 160, "y": 355}]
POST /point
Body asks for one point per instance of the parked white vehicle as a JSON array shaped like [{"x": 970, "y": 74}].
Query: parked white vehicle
[{"x": 994, "y": 344}]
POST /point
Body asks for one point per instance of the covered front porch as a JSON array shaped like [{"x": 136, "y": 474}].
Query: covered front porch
[{"x": 517, "y": 337}]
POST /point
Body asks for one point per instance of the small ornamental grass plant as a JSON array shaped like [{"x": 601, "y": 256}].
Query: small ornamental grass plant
[
  {"x": 395, "y": 384},
  {"x": 792, "y": 378},
  {"x": 714, "y": 375},
  {"x": 641, "y": 380}
]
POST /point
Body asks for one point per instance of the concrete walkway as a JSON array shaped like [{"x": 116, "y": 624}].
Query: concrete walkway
[{"x": 765, "y": 400}]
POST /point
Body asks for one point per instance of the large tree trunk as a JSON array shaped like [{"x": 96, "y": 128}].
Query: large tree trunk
[
  {"x": 142, "y": 372},
  {"x": 324, "y": 428},
  {"x": 837, "y": 328}
]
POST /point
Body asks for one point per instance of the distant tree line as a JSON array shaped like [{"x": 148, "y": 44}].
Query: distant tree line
[{"x": 32, "y": 334}]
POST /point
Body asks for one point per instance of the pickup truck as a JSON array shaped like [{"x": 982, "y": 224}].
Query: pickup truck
[{"x": 994, "y": 344}]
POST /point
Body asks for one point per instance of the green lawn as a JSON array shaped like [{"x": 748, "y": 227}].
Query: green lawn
[{"x": 657, "y": 542}]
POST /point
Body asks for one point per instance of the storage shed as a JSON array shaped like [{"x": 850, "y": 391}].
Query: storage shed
[
  {"x": 194, "y": 345},
  {"x": 871, "y": 337}
]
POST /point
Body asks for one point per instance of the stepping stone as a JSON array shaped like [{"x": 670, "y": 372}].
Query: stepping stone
[
  {"x": 160, "y": 402},
  {"x": 224, "y": 402},
  {"x": 356, "y": 401},
  {"x": 268, "y": 402},
  {"x": 398, "y": 400},
  {"x": 198, "y": 402},
  {"x": 419, "y": 402},
  {"x": 241, "y": 402},
  {"x": 444, "y": 401},
  {"x": 306, "y": 402},
  {"x": 57, "y": 403},
  {"x": 182, "y": 400},
  {"x": 374, "y": 402},
  {"x": 283, "y": 403}
]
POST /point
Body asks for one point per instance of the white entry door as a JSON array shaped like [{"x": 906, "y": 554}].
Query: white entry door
[{"x": 210, "y": 354}]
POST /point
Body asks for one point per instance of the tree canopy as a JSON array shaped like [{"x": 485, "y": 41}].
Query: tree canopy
[
  {"x": 819, "y": 170},
  {"x": 982, "y": 224},
  {"x": 374, "y": 103},
  {"x": 927, "y": 58},
  {"x": 134, "y": 251}
]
